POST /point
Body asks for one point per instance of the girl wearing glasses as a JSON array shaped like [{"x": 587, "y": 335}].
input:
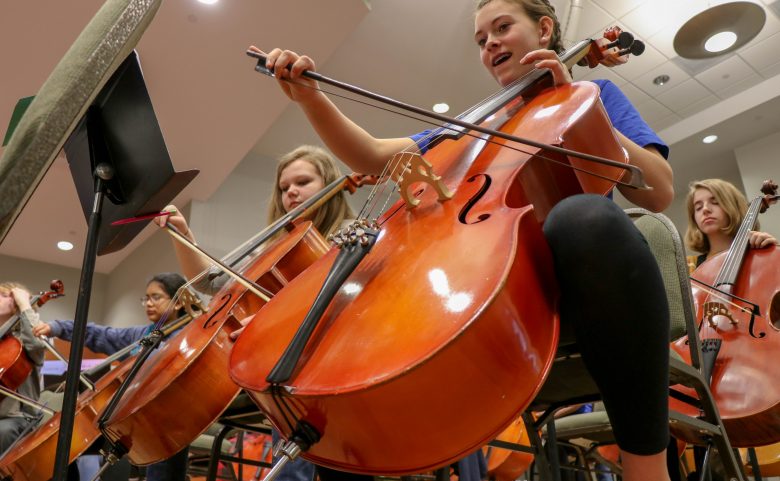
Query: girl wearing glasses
[{"x": 160, "y": 290}]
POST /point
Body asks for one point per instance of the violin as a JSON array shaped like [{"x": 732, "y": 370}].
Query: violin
[
  {"x": 15, "y": 365},
  {"x": 434, "y": 324},
  {"x": 193, "y": 363},
  {"x": 737, "y": 298}
]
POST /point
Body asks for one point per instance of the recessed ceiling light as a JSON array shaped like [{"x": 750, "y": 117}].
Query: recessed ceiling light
[
  {"x": 64, "y": 245},
  {"x": 441, "y": 108},
  {"x": 720, "y": 41},
  {"x": 709, "y": 139},
  {"x": 208, "y": 2},
  {"x": 661, "y": 79}
]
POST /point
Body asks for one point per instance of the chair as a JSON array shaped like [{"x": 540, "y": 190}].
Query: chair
[
  {"x": 569, "y": 382},
  {"x": 243, "y": 416}
]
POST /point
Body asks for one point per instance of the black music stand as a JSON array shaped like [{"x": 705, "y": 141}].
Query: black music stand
[{"x": 116, "y": 151}]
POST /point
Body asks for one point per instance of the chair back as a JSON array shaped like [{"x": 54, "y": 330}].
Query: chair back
[{"x": 667, "y": 248}]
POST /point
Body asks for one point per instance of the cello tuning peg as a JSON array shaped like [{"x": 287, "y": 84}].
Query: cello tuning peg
[
  {"x": 624, "y": 41},
  {"x": 636, "y": 48}
]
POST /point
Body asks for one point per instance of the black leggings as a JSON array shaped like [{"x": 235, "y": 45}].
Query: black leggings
[{"x": 613, "y": 298}]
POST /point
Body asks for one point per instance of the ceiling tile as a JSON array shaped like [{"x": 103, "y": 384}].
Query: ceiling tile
[
  {"x": 763, "y": 54},
  {"x": 652, "y": 17},
  {"x": 675, "y": 73},
  {"x": 635, "y": 94},
  {"x": 665, "y": 122},
  {"x": 653, "y": 111},
  {"x": 618, "y": 8},
  {"x": 638, "y": 66},
  {"x": 600, "y": 72},
  {"x": 684, "y": 95},
  {"x": 663, "y": 41},
  {"x": 771, "y": 27},
  {"x": 592, "y": 21},
  {"x": 698, "y": 106},
  {"x": 771, "y": 71},
  {"x": 725, "y": 74},
  {"x": 699, "y": 65},
  {"x": 740, "y": 86}
]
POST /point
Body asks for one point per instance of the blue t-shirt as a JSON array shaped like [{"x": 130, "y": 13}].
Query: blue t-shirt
[{"x": 621, "y": 112}]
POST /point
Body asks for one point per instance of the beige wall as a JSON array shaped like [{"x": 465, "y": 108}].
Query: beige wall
[
  {"x": 758, "y": 161},
  {"x": 37, "y": 276}
]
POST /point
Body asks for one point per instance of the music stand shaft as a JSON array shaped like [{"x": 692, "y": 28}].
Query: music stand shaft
[{"x": 67, "y": 416}]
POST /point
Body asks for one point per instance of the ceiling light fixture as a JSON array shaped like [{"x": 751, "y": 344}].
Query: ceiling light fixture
[
  {"x": 661, "y": 79},
  {"x": 64, "y": 245},
  {"x": 709, "y": 139},
  {"x": 719, "y": 30},
  {"x": 208, "y": 2},
  {"x": 441, "y": 108}
]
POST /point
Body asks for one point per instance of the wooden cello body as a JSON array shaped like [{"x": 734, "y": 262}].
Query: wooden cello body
[
  {"x": 744, "y": 383},
  {"x": 183, "y": 386},
  {"x": 447, "y": 328},
  {"x": 15, "y": 365},
  {"x": 32, "y": 457}
]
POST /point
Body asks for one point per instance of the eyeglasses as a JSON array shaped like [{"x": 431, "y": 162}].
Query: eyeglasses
[{"x": 155, "y": 298}]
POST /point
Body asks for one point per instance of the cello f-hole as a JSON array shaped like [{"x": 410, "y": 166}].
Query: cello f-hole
[
  {"x": 464, "y": 212},
  {"x": 225, "y": 301}
]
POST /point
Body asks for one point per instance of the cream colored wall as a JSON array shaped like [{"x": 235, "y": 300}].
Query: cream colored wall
[
  {"x": 37, "y": 276},
  {"x": 127, "y": 282},
  {"x": 758, "y": 161}
]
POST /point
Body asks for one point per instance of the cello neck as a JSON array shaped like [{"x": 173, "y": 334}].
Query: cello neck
[
  {"x": 736, "y": 253},
  {"x": 11, "y": 322}
]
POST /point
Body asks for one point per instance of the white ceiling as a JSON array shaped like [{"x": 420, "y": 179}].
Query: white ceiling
[{"x": 215, "y": 111}]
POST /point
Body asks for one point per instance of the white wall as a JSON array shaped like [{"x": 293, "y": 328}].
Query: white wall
[
  {"x": 127, "y": 282},
  {"x": 758, "y": 161},
  {"x": 37, "y": 276}
]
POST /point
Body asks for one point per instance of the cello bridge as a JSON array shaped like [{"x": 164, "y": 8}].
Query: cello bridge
[
  {"x": 412, "y": 168},
  {"x": 715, "y": 309}
]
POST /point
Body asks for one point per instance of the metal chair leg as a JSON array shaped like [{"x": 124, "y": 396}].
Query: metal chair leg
[
  {"x": 751, "y": 452},
  {"x": 216, "y": 451}
]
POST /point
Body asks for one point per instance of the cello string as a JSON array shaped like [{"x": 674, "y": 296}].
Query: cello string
[
  {"x": 471, "y": 134},
  {"x": 509, "y": 92},
  {"x": 730, "y": 264},
  {"x": 279, "y": 401},
  {"x": 743, "y": 236},
  {"x": 714, "y": 292},
  {"x": 378, "y": 190}
]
